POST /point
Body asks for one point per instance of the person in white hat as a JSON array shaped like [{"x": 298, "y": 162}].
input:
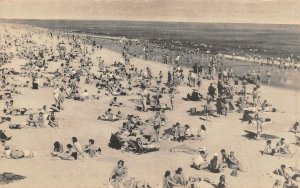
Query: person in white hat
[{"x": 199, "y": 160}]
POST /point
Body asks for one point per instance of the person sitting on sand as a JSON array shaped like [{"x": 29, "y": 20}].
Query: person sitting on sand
[
  {"x": 277, "y": 184},
  {"x": 194, "y": 96},
  {"x": 2, "y": 148},
  {"x": 199, "y": 160},
  {"x": 85, "y": 95},
  {"x": 267, "y": 107},
  {"x": 45, "y": 112},
  {"x": 233, "y": 163},
  {"x": 282, "y": 147},
  {"x": 119, "y": 115},
  {"x": 241, "y": 103},
  {"x": 295, "y": 128},
  {"x": 69, "y": 154},
  {"x": 168, "y": 181},
  {"x": 188, "y": 132},
  {"x": 77, "y": 147},
  {"x": 20, "y": 111},
  {"x": 287, "y": 172},
  {"x": 208, "y": 111},
  {"x": 9, "y": 107},
  {"x": 40, "y": 120},
  {"x": 222, "y": 182},
  {"x": 179, "y": 177},
  {"x": 3, "y": 136},
  {"x": 31, "y": 122},
  {"x": 268, "y": 149},
  {"x": 108, "y": 115},
  {"x": 91, "y": 149},
  {"x": 53, "y": 121},
  {"x": 289, "y": 184},
  {"x": 119, "y": 173},
  {"x": 224, "y": 158},
  {"x": 215, "y": 166},
  {"x": 201, "y": 132},
  {"x": 57, "y": 148}
]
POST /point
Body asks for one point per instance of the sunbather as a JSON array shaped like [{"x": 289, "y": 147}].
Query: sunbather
[
  {"x": 199, "y": 160},
  {"x": 91, "y": 149}
]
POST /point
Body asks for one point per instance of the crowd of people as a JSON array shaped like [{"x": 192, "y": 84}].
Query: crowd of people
[{"x": 228, "y": 92}]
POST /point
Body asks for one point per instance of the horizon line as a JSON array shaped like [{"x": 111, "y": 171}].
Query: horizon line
[{"x": 162, "y": 21}]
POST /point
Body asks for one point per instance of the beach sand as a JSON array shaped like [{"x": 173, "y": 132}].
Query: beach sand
[{"x": 80, "y": 119}]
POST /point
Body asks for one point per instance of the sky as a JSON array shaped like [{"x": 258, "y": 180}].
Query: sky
[{"x": 216, "y": 11}]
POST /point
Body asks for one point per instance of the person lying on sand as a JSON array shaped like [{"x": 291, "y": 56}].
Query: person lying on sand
[
  {"x": 208, "y": 110},
  {"x": 138, "y": 146},
  {"x": 20, "y": 111},
  {"x": 194, "y": 96},
  {"x": 11, "y": 153}
]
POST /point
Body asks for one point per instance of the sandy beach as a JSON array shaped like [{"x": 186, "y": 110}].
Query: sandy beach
[{"x": 79, "y": 118}]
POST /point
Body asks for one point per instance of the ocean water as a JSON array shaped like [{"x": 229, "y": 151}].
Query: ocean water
[{"x": 269, "y": 40}]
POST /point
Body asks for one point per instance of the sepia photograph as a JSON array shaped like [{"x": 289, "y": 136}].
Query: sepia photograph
[{"x": 149, "y": 93}]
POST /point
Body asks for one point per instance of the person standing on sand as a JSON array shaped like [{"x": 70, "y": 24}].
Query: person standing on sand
[
  {"x": 171, "y": 95},
  {"x": 259, "y": 123},
  {"x": 254, "y": 96},
  {"x": 268, "y": 77},
  {"x": 144, "y": 99}
]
